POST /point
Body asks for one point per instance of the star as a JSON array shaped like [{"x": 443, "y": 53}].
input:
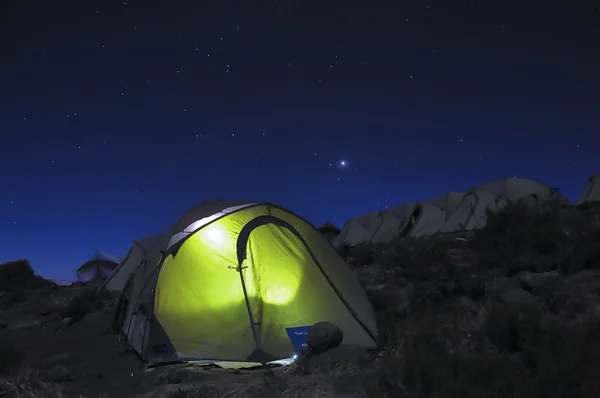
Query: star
[{"x": 410, "y": 133}]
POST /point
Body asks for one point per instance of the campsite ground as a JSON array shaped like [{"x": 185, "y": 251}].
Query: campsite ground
[{"x": 514, "y": 311}]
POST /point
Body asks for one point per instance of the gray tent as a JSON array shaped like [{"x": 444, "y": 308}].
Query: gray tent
[
  {"x": 99, "y": 266},
  {"x": 134, "y": 258},
  {"x": 375, "y": 227},
  {"x": 329, "y": 231},
  {"x": 591, "y": 193},
  {"x": 492, "y": 196},
  {"x": 471, "y": 213},
  {"x": 430, "y": 215},
  {"x": 523, "y": 189}
]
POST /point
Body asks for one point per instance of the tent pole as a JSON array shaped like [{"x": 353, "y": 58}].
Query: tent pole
[{"x": 252, "y": 324}]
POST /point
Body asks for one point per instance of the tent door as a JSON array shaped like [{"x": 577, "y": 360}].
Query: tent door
[{"x": 271, "y": 254}]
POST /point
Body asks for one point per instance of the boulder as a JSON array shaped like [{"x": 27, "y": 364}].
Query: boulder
[
  {"x": 401, "y": 281},
  {"x": 534, "y": 282},
  {"x": 466, "y": 304},
  {"x": 26, "y": 325},
  {"x": 341, "y": 356},
  {"x": 389, "y": 296},
  {"x": 58, "y": 373},
  {"x": 65, "y": 356},
  {"x": 323, "y": 336},
  {"x": 517, "y": 296},
  {"x": 94, "y": 319},
  {"x": 582, "y": 278},
  {"x": 498, "y": 285}
]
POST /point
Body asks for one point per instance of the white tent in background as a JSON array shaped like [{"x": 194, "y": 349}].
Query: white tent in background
[
  {"x": 360, "y": 229},
  {"x": 471, "y": 212},
  {"x": 99, "y": 266},
  {"x": 329, "y": 230},
  {"x": 523, "y": 189},
  {"x": 131, "y": 262},
  {"x": 430, "y": 215},
  {"x": 403, "y": 211},
  {"x": 452, "y": 211},
  {"x": 354, "y": 231},
  {"x": 390, "y": 227},
  {"x": 448, "y": 201},
  {"x": 591, "y": 193},
  {"x": 397, "y": 220},
  {"x": 374, "y": 227}
]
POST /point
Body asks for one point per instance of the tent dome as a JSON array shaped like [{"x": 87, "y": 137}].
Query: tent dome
[{"x": 232, "y": 282}]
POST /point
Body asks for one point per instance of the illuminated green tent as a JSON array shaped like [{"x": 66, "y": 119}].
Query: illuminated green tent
[{"x": 228, "y": 281}]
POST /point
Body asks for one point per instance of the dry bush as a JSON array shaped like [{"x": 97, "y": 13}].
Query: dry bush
[
  {"x": 26, "y": 384},
  {"x": 10, "y": 357},
  {"x": 17, "y": 275},
  {"x": 54, "y": 304},
  {"x": 414, "y": 254},
  {"x": 500, "y": 352},
  {"x": 518, "y": 238},
  {"x": 86, "y": 301}
]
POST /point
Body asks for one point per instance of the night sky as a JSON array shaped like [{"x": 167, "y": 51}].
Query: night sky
[{"x": 116, "y": 118}]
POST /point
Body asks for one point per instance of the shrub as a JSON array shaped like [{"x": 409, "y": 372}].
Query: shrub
[
  {"x": 518, "y": 356},
  {"x": 412, "y": 254},
  {"x": 517, "y": 229},
  {"x": 27, "y": 385},
  {"x": 10, "y": 357},
  {"x": 16, "y": 275},
  {"x": 420, "y": 364},
  {"x": 561, "y": 360},
  {"x": 519, "y": 238},
  {"x": 84, "y": 302},
  {"x": 360, "y": 255}
]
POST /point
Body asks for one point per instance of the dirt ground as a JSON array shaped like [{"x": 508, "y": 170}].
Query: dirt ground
[{"x": 86, "y": 359}]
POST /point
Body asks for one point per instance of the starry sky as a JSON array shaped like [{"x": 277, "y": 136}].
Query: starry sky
[{"x": 117, "y": 117}]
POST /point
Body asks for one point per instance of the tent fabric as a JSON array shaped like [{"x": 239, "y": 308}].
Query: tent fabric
[
  {"x": 329, "y": 231},
  {"x": 389, "y": 228},
  {"x": 329, "y": 226},
  {"x": 448, "y": 201},
  {"x": 129, "y": 264},
  {"x": 356, "y": 230},
  {"x": 427, "y": 219},
  {"x": 523, "y": 189},
  {"x": 591, "y": 193},
  {"x": 403, "y": 211},
  {"x": 430, "y": 215},
  {"x": 471, "y": 213},
  {"x": 492, "y": 196},
  {"x": 375, "y": 227},
  {"x": 226, "y": 281},
  {"x": 95, "y": 269},
  {"x": 104, "y": 256},
  {"x": 452, "y": 211}
]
